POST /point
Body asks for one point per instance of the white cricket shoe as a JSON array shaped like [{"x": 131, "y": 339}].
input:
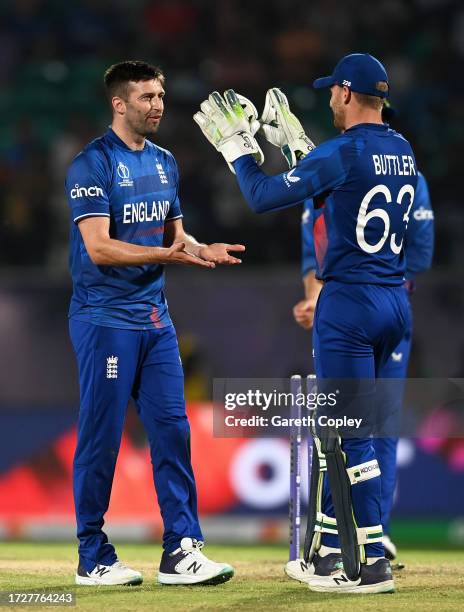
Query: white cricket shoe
[
  {"x": 188, "y": 565},
  {"x": 375, "y": 578},
  {"x": 324, "y": 565},
  {"x": 299, "y": 570},
  {"x": 109, "y": 575},
  {"x": 390, "y": 548},
  {"x": 325, "y": 562}
]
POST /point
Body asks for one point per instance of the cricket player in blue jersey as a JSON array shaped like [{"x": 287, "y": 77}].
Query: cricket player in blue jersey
[
  {"x": 126, "y": 223},
  {"x": 364, "y": 180},
  {"x": 303, "y": 311},
  {"x": 418, "y": 244}
]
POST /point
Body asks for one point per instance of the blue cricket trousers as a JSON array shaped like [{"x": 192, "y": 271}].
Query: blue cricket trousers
[
  {"x": 356, "y": 328},
  {"x": 114, "y": 365},
  {"x": 385, "y": 448}
]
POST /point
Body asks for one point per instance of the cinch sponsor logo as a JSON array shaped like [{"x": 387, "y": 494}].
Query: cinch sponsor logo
[
  {"x": 423, "y": 214},
  {"x": 88, "y": 192},
  {"x": 142, "y": 211}
]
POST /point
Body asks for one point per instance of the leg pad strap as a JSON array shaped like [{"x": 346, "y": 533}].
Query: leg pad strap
[
  {"x": 369, "y": 535},
  {"x": 325, "y": 524}
]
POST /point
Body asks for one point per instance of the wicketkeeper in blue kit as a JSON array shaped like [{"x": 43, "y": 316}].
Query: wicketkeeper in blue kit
[
  {"x": 364, "y": 181},
  {"x": 126, "y": 223},
  {"x": 418, "y": 245}
]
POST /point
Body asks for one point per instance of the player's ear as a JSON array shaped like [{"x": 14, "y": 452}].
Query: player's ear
[
  {"x": 346, "y": 95},
  {"x": 118, "y": 104}
]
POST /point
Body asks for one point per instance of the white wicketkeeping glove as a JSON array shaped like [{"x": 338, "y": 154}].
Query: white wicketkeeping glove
[
  {"x": 229, "y": 123},
  {"x": 282, "y": 128}
]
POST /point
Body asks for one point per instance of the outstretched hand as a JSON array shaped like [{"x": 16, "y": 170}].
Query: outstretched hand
[
  {"x": 218, "y": 252},
  {"x": 176, "y": 254}
]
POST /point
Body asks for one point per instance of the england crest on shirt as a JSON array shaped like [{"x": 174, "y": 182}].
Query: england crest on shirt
[{"x": 161, "y": 173}]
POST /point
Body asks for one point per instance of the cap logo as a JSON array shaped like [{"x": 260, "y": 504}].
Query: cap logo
[
  {"x": 382, "y": 86},
  {"x": 347, "y": 83}
]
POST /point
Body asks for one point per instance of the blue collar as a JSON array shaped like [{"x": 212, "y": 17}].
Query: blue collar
[
  {"x": 380, "y": 127},
  {"x": 114, "y": 138}
]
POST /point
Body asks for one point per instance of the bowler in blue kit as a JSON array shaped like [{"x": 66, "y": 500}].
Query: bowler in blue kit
[
  {"x": 126, "y": 223},
  {"x": 362, "y": 184}
]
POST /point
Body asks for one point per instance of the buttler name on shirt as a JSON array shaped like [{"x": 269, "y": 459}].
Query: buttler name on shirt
[
  {"x": 143, "y": 211},
  {"x": 394, "y": 164}
]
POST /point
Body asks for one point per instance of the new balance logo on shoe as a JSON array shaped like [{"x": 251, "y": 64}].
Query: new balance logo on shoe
[
  {"x": 188, "y": 565},
  {"x": 341, "y": 579},
  {"x": 194, "y": 567},
  {"x": 108, "y": 575}
]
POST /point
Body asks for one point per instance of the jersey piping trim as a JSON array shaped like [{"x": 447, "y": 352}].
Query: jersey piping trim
[
  {"x": 173, "y": 218},
  {"x": 91, "y": 215}
]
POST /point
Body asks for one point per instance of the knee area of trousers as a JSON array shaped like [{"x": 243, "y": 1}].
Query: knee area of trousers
[{"x": 174, "y": 425}]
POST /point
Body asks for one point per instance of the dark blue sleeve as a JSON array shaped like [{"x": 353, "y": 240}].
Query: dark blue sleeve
[
  {"x": 322, "y": 170},
  {"x": 87, "y": 186},
  {"x": 420, "y": 233},
  {"x": 308, "y": 254},
  {"x": 175, "y": 211}
]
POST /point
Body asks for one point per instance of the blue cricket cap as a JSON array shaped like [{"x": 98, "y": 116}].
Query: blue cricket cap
[{"x": 360, "y": 72}]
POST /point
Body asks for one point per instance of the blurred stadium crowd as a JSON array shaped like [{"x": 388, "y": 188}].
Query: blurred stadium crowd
[{"x": 53, "y": 54}]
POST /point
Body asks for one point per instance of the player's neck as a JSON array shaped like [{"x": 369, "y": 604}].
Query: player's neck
[
  {"x": 364, "y": 116},
  {"x": 135, "y": 142}
]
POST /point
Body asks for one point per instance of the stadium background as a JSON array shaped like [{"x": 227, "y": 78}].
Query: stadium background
[{"x": 230, "y": 322}]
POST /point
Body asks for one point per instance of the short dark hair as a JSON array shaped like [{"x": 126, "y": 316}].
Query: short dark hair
[{"x": 117, "y": 76}]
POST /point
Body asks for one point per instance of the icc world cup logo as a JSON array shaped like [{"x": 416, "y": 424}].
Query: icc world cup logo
[{"x": 123, "y": 171}]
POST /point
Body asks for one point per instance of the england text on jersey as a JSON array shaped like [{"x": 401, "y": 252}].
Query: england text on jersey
[{"x": 138, "y": 212}]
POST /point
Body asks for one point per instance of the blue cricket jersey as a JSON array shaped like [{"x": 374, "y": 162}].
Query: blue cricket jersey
[
  {"x": 364, "y": 180},
  {"x": 138, "y": 191},
  {"x": 418, "y": 242},
  {"x": 308, "y": 254}
]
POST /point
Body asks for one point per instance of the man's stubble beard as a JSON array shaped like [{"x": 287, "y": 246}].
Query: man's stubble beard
[
  {"x": 338, "y": 118},
  {"x": 141, "y": 128},
  {"x": 150, "y": 132}
]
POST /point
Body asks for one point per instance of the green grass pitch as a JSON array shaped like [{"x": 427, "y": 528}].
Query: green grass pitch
[{"x": 432, "y": 580}]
